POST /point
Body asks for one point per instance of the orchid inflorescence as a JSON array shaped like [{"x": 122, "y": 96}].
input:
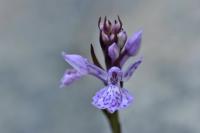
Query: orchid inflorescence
[{"x": 117, "y": 49}]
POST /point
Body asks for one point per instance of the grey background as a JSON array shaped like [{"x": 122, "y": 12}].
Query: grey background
[{"x": 166, "y": 86}]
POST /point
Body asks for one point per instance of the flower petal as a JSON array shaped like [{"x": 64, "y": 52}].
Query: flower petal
[
  {"x": 69, "y": 77},
  {"x": 113, "y": 51},
  {"x": 76, "y": 61},
  {"x": 126, "y": 98},
  {"x": 98, "y": 100},
  {"x": 83, "y": 66},
  {"x": 133, "y": 44},
  {"x": 131, "y": 69},
  {"x": 123, "y": 60},
  {"x": 97, "y": 72},
  {"x": 109, "y": 98}
]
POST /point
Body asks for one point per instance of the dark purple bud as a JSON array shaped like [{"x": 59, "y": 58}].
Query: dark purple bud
[
  {"x": 116, "y": 27},
  {"x": 107, "y": 25},
  {"x": 133, "y": 44}
]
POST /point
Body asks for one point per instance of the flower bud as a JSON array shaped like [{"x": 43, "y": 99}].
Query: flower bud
[
  {"x": 104, "y": 37},
  {"x": 116, "y": 27},
  {"x": 121, "y": 39},
  {"x": 133, "y": 44},
  {"x": 113, "y": 52},
  {"x": 112, "y": 38},
  {"x": 107, "y": 26}
]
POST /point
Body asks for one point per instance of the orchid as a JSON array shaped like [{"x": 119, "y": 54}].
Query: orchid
[
  {"x": 112, "y": 97},
  {"x": 117, "y": 49}
]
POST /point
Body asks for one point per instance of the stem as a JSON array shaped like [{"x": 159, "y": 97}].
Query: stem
[{"x": 113, "y": 120}]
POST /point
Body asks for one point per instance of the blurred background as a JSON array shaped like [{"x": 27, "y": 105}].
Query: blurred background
[{"x": 166, "y": 86}]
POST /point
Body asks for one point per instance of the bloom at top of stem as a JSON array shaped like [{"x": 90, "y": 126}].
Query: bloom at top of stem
[{"x": 117, "y": 49}]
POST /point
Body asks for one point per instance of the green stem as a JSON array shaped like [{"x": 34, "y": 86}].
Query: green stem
[{"x": 113, "y": 120}]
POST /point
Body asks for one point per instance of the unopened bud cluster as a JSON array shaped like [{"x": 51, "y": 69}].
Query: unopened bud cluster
[
  {"x": 111, "y": 32},
  {"x": 116, "y": 46}
]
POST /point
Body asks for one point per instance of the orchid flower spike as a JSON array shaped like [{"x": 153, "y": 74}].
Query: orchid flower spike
[{"x": 117, "y": 49}]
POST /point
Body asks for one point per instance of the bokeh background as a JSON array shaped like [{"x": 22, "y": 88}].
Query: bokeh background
[{"x": 166, "y": 86}]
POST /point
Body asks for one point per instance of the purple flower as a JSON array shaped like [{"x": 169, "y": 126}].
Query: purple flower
[
  {"x": 117, "y": 49},
  {"x": 112, "y": 97}
]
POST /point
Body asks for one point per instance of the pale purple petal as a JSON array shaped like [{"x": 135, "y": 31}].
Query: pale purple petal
[
  {"x": 133, "y": 44},
  {"x": 76, "y": 61},
  {"x": 113, "y": 51},
  {"x": 97, "y": 72},
  {"x": 131, "y": 69},
  {"x": 109, "y": 98},
  {"x": 83, "y": 66},
  {"x": 126, "y": 98},
  {"x": 124, "y": 59},
  {"x": 69, "y": 77}
]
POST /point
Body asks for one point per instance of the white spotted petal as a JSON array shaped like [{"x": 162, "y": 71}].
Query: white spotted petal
[
  {"x": 109, "y": 98},
  {"x": 127, "y": 98}
]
